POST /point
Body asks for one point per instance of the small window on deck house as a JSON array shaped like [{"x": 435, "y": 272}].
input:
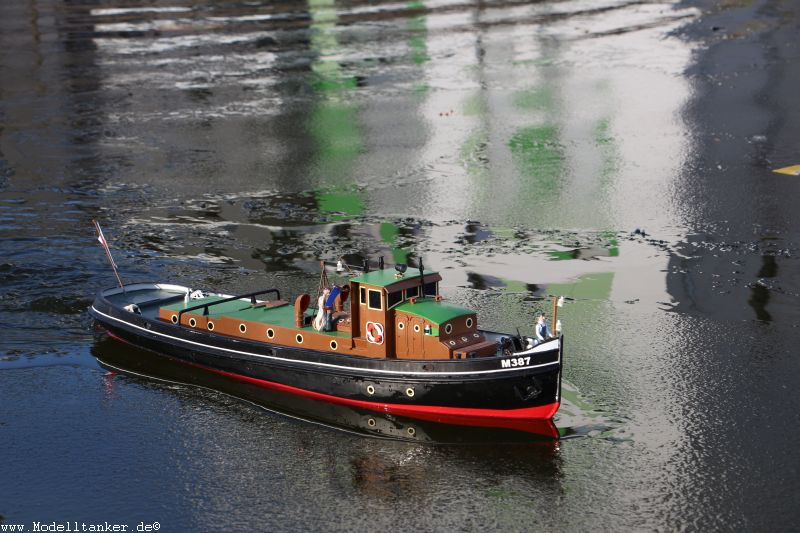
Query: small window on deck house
[
  {"x": 394, "y": 299},
  {"x": 412, "y": 291},
  {"x": 430, "y": 289},
  {"x": 363, "y": 292},
  {"x": 374, "y": 300}
]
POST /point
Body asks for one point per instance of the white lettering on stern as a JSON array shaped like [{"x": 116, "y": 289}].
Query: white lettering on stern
[{"x": 515, "y": 361}]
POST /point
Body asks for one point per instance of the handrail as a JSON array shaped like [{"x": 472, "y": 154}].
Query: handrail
[{"x": 205, "y": 306}]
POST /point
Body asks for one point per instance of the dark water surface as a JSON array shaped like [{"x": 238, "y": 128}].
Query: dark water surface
[{"x": 515, "y": 146}]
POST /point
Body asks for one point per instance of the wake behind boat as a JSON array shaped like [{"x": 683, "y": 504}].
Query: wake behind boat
[{"x": 396, "y": 347}]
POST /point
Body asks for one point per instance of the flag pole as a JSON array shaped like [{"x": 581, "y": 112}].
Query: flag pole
[{"x": 102, "y": 239}]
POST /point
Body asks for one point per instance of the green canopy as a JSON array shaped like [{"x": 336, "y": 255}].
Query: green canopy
[
  {"x": 387, "y": 277},
  {"x": 433, "y": 311}
]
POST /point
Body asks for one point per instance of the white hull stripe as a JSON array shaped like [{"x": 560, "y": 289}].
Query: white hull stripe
[{"x": 328, "y": 365}]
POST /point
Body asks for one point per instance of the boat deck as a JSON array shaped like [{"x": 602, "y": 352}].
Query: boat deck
[
  {"x": 281, "y": 316},
  {"x": 149, "y": 300},
  {"x": 270, "y": 321}
]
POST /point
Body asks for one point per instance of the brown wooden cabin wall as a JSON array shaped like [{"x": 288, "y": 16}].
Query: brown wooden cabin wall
[
  {"x": 464, "y": 339},
  {"x": 365, "y": 314},
  {"x": 460, "y": 326},
  {"x": 257, "y": 331},
  {"x": 415, "y": 344},
  {"x": 461, "y": 340}
]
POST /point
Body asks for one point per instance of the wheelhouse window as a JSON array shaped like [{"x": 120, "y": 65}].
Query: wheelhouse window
[
  {"x": 412, "y": 292},
  {"x": 374, "y": 300},
  {"x": 430, "y": 289},
  {"x": 394, "y": 298},
  {"x": 363, "y": 292}
]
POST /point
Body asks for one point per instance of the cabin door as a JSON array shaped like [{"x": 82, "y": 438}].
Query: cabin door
[
  {"x": 415, "y": 333},
  {"x": 401, "y": 335}
]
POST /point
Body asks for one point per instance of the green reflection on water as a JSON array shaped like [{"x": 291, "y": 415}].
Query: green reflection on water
[
  {"x": 535, "y": 99},
  {"x": 539, "y": 156},
  {"x": 613, "y": 243},
  {"x": 552, "y": 180},
  {"x": 585, "y": 408},
  {"x": 512, "y": 285},
  {"x": 587, "y": 288},
  {"x": 418, "y": 42},
  {"x": 609, "y": 153},
  {"x": 334, "y": 122},
  {"x": 564, "y": 255},
  {"x": 338, "y": 139},
  {"x": 323, "y": 39},
  {"x": 474, "y": 105},
  {"x": 389, "y": 233},
  {"x": 610, "y": 249},
  {"x": 474, "y": 154},
  {"x": 581, "y": 319},
  {"x": 345, "y": 204},
  {"x": 329, "y": 78}
]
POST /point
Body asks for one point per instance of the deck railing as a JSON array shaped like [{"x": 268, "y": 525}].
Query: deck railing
[{"x": 251, "y": 295}]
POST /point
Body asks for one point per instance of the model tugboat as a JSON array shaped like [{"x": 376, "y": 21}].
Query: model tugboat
[{"x": 385, "y": 341}]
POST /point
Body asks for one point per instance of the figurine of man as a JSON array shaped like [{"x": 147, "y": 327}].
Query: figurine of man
[
  {"x": 327, "y": 305},
  {"x": 323, "y": 314},
  {"x": 542, "y": 332}
]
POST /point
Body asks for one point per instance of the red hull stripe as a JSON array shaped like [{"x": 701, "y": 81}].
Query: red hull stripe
[{"x": 532, "y": 419}]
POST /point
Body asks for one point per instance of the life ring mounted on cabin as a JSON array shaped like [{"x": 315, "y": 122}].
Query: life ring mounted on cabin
[{"x": 375, "y": 332}]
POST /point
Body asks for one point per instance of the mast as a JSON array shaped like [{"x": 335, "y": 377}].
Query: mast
[{"x": 421, "y": 278}]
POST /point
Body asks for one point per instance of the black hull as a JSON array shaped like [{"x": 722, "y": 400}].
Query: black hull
[
  {"x": 130, "y": 360},
  {"x": 483, "y": 391}
]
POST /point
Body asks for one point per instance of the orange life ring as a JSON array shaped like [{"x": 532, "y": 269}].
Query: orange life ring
[{"x": 374, "y": 332}]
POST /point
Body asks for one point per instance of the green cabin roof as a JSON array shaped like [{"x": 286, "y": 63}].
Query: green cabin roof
[
  {"x": 433, "y": 311},
  {"x": 387, "y": 277}
]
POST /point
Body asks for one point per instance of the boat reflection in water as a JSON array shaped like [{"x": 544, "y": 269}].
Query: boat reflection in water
[{"x": 118, "y": 356}]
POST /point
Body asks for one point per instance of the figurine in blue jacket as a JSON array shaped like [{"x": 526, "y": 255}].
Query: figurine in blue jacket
[{"x": 542, "y": 332}]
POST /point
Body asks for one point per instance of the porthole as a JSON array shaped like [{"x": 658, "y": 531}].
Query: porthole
[
  {"x": 242, "y": 328},
  {"x": 476, "y": 335},
  {"x": 174, "y": 319},
  {"x": 469, "y": 323},
  {"x": 463, "y": 339},
  {"x": 448, "y": 329},
  {"x": 401, "y": 325},
  {"x": 334, "y": 345},
  {"x": 210, "y": 326},
  {"x": 410, "y": 392},
  {"x": 411, "y": 431},
  {"x": 370, "y": 390},
  {"x": 371, "y": 422},
  {"x": 192, "y": 322},
  {"x": 416, "y": 328},
  {"x": 270, "y": 333},
  {"x": 452, "y": 343},
  {"x": 299, "y": 339}
]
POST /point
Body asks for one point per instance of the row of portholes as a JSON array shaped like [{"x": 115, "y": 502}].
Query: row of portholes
[
  {"x": 243, "y": 329},
  {"x": 410, "y": 430},
  {"x": 409, "y": 391},
  {"x": 402, "y": 325},
  {"x": 448, "y": 328},
  {"x": 465, "y": 339}
]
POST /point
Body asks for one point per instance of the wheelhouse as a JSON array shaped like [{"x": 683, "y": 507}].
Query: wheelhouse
[{"x": 405, "y": 317}]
